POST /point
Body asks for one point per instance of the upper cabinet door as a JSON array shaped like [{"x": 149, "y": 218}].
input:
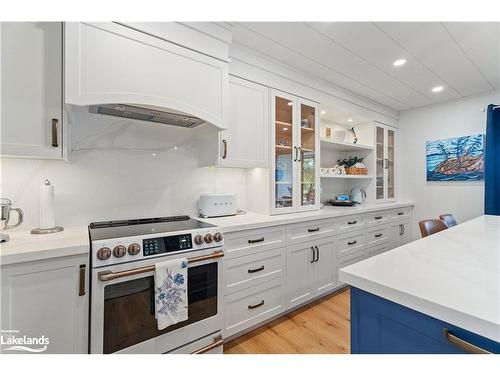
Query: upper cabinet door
[
  {"x": 308, "y": 155},
  {"x": 111, "y": 63},
  {"x": 245, "y": 144},
  {"x": 31, "y": 95},
  {"x": 385, "y": 162}
]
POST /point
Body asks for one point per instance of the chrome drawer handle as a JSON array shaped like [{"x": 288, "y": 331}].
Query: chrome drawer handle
[
  {"x": 352, "y": 222},
  {"x": 378, "y": 217},
  {"x": 261, "y": 268},
  {"x": 256, "y": 240},
  {"x": 352, "y": 243},
  {"x": 313, "y": 230},
  {"x": 218, "y": 341},
  {"x": 378, "y": 235},
  {"x": 462, "y": 344},
  {"x": 251, "y": 307}
]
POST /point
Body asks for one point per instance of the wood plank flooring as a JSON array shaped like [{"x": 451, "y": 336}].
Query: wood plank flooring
[{"x": 320, "y": 327}]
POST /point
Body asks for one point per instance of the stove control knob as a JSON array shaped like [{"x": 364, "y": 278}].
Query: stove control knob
[
  {"x": 134, "y": 249},
  {"x": 119, "y": 251},
  {"x": 198, "y": 239},
  {"x": 208, "y": 238},
  {"x": 103, "y": 253},
  {"x": 218, "y": 237}
]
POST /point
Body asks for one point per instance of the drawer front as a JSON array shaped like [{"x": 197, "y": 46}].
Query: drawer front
[
  {"x": 376, "y": 250},
  {"x": 347, "y": 261},
  {"x": 349, "y": 223},
  {"x": 350, "y": 244},
  {"x": 251, "y": 270},
  {"x": 377, "y": 235},
  {"x": 251, "y": 306},
  {"x": 247, "y": 242},
  {"x": 401, "y": 214},
  {"x": 303, "y": 232},
  {"x": 378, "y": 218}
]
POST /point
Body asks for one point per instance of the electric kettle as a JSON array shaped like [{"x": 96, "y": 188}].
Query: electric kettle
[
  {"x": 358, "y": 195},
  {"x": 6, "y": 208}
]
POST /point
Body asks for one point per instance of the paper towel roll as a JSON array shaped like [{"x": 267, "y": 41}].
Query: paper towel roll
[{"x": 47, "y": 209}]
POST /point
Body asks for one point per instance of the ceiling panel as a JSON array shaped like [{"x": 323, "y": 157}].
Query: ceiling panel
[
  {"x": 431, "y": 44},
  {"x": 373, "y": 45},
  {"x": 481, "y": 42}
]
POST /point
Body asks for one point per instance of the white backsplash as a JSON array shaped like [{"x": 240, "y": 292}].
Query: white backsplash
[{"x": 119, "y": 169}]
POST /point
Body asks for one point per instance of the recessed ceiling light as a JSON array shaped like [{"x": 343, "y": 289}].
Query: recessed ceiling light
[
  {"x": 349, "y": 120},
  {"x": 285, "y": 129},
  {"x": 437, "y": 89},
  {"x": 290, "y": 103},
  {"x": 323, "y": 112},
  {"x": 399, "y": 62}
]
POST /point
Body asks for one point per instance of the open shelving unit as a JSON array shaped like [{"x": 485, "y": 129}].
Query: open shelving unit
[
  {"x": 348, "y": 176},
  {"x": 344, "y": 146}
]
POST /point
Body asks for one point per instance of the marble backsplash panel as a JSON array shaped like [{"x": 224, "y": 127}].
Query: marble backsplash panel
[{"x": 119, "y": 169}]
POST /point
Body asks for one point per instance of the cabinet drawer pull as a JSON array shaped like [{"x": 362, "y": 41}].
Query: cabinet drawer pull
[
  {"x": 378, "y": 235},
  {"x": 352, "y": 243},
  {"x": 55, "y": 125},
  {"x": 314, "y": 255},
  {"x": 352, "y": 222},
  {"x": 224, "y": 153},
  {"x": 251, "y": 307},
  {"x": 317, "y": 253},
  {"x": 401, "y": 213},
  {"x": 313, "y": 230},
  {"x": 261, "y": 268},
  {"x": 296, "y": 153},
  {"x": 257, "y": 240},
  {"x": 83, "y": 269},
  {"x": 462, "y": 344},
  {"x": 218, "y": 341},
  {"x": 378, "y": 217}
]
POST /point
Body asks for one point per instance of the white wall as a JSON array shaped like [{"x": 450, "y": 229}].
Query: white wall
[
  {"x": 114, "y": 174},
  {"x": 451, "y": 119}
]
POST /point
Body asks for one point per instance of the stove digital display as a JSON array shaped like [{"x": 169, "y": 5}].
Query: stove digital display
[{"x": 162, "y": 245}]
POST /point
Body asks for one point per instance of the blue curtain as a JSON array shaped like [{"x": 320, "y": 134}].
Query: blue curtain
[{"x": 492, "y": 163}]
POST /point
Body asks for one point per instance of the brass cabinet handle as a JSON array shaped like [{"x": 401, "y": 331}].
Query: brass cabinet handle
[
  {"x": 83, "y": 270},
  {"x": 462, "y": 344},
  {"x": 218, "y": 341},
  {"x": 352, "y": 222},
  {"x": 378, "y": 235},
  {"x": 261, "y": 268},
  {"x": 378, "y": 217},
  {"x": 55, "y": 125},
  {"x": 224, "y": 153},
  {"x": 256, "y": 240},
  {"x": 109, "y": 275},
  {"x": 251, "y": 307},
  {"x": 352, "y": 243},
  {"x": 313, "y": 230}
]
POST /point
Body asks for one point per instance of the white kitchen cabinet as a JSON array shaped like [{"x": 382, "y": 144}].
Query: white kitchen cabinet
[
  {"x": 49, "y": 298},
  {"x": 399, "y": 234},
  {"x": 245, "y": 143},
  {"x": 31, "y": 89},
  {"x": 110, "y": 63},
  {"x": 295, "y": 154},
  {"x": 310, "y": 270},
  {"x": 385, "y": 141}
]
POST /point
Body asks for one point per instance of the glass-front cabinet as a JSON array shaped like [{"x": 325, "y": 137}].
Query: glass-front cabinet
[
  {"x": 385, "y": 179},
  {"x": 295, "y": 162}
]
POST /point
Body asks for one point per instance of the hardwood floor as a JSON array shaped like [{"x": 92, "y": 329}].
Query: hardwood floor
[{"x": 320, "y": 327}]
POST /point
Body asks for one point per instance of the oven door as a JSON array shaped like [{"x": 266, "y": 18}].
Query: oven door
[{"x": 123, "y": 307}]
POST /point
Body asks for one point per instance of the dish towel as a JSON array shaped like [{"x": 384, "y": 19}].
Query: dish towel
[{"x": 171, "y": 297}]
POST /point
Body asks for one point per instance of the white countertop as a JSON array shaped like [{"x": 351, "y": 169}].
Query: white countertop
[
  {"x": 252, "y": 220},
  {"x": 453, "y": 275},
  {"x": 25, "y": 247}
]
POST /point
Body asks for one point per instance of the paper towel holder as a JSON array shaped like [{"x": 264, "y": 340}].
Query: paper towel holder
[{"x": 55, "y": 229}]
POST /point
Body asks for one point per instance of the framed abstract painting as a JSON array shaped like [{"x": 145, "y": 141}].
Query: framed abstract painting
[{"x": 455, "y": 159}]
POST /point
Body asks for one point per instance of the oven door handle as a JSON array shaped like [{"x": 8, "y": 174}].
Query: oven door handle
[
  {"x": 218, "y": 341},
  {"x": 109, "y": 275}
]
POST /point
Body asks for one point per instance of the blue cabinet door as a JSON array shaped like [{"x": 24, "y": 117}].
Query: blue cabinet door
[{"x": 379, "y": 326}]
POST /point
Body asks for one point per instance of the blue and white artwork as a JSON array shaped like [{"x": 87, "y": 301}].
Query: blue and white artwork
[{"x": 456, "y": 159}]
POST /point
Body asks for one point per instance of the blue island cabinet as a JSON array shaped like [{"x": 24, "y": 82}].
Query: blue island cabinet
[{"x": 379, "y": 326}]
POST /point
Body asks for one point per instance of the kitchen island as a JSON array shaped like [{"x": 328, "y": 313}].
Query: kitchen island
[{"x": 439, "y": 294}]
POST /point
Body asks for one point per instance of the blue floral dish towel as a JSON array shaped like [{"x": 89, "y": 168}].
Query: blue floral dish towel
[{"x": 171, "y": 298}]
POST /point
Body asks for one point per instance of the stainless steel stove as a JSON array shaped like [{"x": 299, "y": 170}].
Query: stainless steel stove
[{"x": 123, "y": 257}]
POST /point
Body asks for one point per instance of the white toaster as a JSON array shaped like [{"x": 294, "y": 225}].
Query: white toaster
[{"x": 214, "y": 205}]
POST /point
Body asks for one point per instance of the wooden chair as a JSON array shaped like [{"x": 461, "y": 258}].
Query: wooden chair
[
  {"x": 431, "y": 226},
  {"x": 449, "y": 219}
]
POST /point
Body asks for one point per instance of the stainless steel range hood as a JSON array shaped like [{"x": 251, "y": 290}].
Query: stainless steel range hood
[{"x": 147, "y": 113}]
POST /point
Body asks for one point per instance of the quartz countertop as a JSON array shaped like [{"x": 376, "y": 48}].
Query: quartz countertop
[
  {"x": 25, "y": 247},
  {"x": 252, "y": 220},
  {"x": 453, "y": 275}
]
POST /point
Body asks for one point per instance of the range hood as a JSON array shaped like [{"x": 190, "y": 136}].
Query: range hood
[{"x": 147, "y": 113}]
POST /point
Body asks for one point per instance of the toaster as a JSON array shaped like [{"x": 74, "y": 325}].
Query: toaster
[{"x": 214, "y": 205}]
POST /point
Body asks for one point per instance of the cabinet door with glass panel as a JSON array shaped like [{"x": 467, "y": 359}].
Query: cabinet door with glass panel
[
  {"x": 295, "y": 139},
  {"x": 385, "y": 143}
]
